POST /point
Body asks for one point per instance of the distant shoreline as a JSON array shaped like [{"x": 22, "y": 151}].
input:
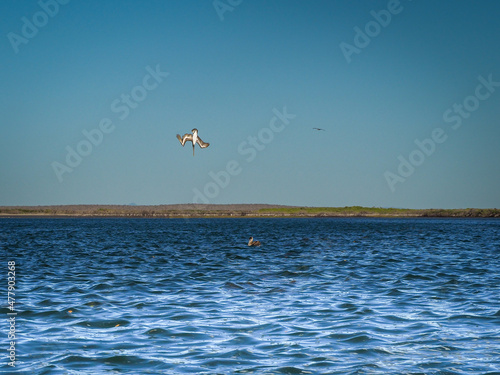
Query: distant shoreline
[{"x": 233, "y": 211}]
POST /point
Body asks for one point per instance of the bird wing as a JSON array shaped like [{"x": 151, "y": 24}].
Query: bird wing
[
  {"x": 186, "y": 137},
  {"x": 201, "y": 143}
]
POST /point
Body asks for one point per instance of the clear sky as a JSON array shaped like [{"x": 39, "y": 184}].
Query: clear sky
[{"x": 93, "y": 94}]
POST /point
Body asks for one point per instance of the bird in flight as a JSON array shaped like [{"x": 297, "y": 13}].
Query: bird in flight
[
  {"x": 194, "y": 138},
  {"x": 318, "y": 129}
]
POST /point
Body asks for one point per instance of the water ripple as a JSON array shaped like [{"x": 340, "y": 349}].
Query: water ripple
[{"x": 336, "y": 296}]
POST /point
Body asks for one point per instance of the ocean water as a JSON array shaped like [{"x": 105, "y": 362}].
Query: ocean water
[{"x": 320, "y": 296}]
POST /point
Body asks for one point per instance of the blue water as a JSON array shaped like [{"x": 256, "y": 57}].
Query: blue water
[{"x": 320, "y": 296}]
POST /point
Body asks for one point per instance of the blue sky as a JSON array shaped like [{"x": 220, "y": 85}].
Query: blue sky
[{"x": 408, "y": 93}]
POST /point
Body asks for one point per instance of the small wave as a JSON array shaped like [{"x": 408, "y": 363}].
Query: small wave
[
  {"x": 97, "y": 363},
  {"x": 139, "y": 305},
  {"x": 395, "y": 318},
  {"x": 413, "y": 277},
  {"x": 129, "y": 360},
  {"x": 394, "y": 292},
  {"x": 242, "y": 354},
  {"x": 75, "y": 290},
  {"x": 372, "y": 352},
  {"x": 45, "y": 314},
  {"x": 225, "y": 362},
  {"x": 452, "y": 281},
  {"x": 342, "y": 336},
  {"x": 358, "y": 339},
  {"x": 158, "y": 332},
  {"x": 230, "y": 285},
  {"x": 191, "y": 336},
  {"x": 47, "y": 302},
  {"x": 182, "y": 317},
  {"x": 291, "y": 274},
  {"x": 365, "y": 311},
  {"x": 242, "y": 339},
  {"x": 103, "y": 324},
  {"x": 103, "y": 286},
  {"x": 275, "y": 290},
  {"x": 78, "y": 359},
  {"x": 290, "y": 370},
  {"x": 348, "y": 306},
  {"x": 42, "y": 289},
  {"x": 469, "y": 317}
]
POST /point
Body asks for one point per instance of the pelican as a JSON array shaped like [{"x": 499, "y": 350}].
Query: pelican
[
  {"x": 251, "y": 242},
  {"x": 193, "y": 138}
]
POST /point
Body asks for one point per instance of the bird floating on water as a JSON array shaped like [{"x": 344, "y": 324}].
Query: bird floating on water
[
  {"x": 194, "y": 138},
  {"x": 251, "y": 242}
]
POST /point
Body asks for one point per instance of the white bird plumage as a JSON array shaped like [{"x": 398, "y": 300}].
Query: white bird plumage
[{"x": 193, "y": 138}]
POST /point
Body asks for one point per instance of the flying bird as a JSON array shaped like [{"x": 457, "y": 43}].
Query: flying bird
[
  {"x": 251, "y": 242},
  {"x": 318, "y": 129},
  {"x": 193, "y": 138}
]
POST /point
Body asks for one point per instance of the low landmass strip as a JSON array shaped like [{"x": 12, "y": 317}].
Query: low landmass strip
[{"x": 234, "y": 210}]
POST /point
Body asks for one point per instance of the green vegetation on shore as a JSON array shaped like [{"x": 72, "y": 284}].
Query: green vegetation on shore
[
  {"x": 381, "y": 212},
  {"x": 234, "y": 210}
]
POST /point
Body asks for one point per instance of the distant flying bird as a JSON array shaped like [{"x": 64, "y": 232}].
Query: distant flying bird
[
  {"x": 251, "y": 242},
  {"x": 318, "y": 129},
  {"x": 193, "y": 138}
]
